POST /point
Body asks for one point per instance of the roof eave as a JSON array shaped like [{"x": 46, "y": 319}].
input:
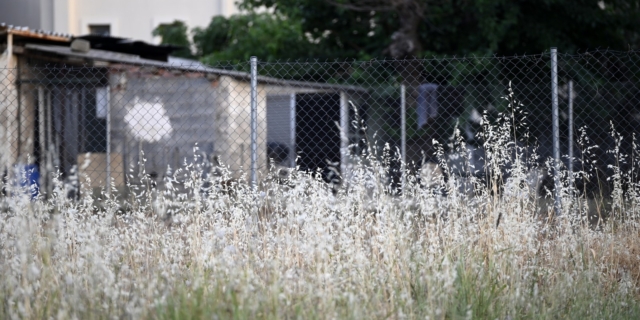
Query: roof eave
[{"x": 36, "y": 35}]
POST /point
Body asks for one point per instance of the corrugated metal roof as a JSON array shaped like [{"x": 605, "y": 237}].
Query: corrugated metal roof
[
  {"x": 181, "y": 64},
  {"x": 93, "y": 54},
  {"x": 130, "y": 46}
]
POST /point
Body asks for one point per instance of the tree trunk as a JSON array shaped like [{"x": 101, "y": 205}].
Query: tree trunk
[{"x": 405, "y": 46}]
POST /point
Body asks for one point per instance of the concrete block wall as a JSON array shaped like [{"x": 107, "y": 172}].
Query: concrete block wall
[{"x": 196, "y": 109}]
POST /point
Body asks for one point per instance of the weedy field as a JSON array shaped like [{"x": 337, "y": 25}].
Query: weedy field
[{"x": 296, "y": 247}]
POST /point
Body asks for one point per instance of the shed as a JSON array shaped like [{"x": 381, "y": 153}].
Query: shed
[{"x": 74, "y": 108}]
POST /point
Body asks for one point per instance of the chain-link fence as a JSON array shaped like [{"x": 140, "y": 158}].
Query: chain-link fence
[{"x": 134, "y": 122}]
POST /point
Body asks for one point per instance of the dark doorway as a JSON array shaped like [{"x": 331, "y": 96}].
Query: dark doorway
[{"x": 317, "y": 133}]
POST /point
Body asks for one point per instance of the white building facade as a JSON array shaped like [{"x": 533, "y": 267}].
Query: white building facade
[{"x": 134, "y": 19}]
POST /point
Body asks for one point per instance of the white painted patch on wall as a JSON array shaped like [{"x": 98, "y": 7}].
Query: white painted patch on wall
[{"x": 148, "y": 121}]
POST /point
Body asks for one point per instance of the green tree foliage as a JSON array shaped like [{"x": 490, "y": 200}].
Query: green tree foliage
[
  {"x": 361, "y": 28},
  {"x": 365, "y": 29},
  {"x": 406, "y": 29},
  {"x": 339, "y": 32},
  {"x": 268, "y": 36},
  {"x": 175, "y": 33}
]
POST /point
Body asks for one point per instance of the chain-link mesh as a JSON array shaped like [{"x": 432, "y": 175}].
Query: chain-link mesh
[{"x": 138, "y": 124}]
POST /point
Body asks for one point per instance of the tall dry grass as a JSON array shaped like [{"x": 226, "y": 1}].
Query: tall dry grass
[{"x": 299, "y": 249}]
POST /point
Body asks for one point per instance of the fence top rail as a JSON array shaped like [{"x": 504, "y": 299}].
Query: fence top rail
[
  {"x": 543, "y": 55},
  {"x": 421, "y": 59}
]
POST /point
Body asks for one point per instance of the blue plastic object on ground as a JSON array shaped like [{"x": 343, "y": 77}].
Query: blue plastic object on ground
[{"x": 30, "y": 178}]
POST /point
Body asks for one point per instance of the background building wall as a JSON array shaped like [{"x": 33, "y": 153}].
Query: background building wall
[
  {"x": 134, "y": 19},
  {"x": 33, "y": 13}
]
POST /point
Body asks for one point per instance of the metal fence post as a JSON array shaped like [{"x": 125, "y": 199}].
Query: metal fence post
[
  {"x": 108, "y": 142},
  {"x": 403, "y": 133},
  {"x": 292, "y": 130},
  {"x": 556, "y": 130},
  {"x": 254, "y": 120},
  {"x": 344, "y": 137},
  {"x": 570, "y": 98}
]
